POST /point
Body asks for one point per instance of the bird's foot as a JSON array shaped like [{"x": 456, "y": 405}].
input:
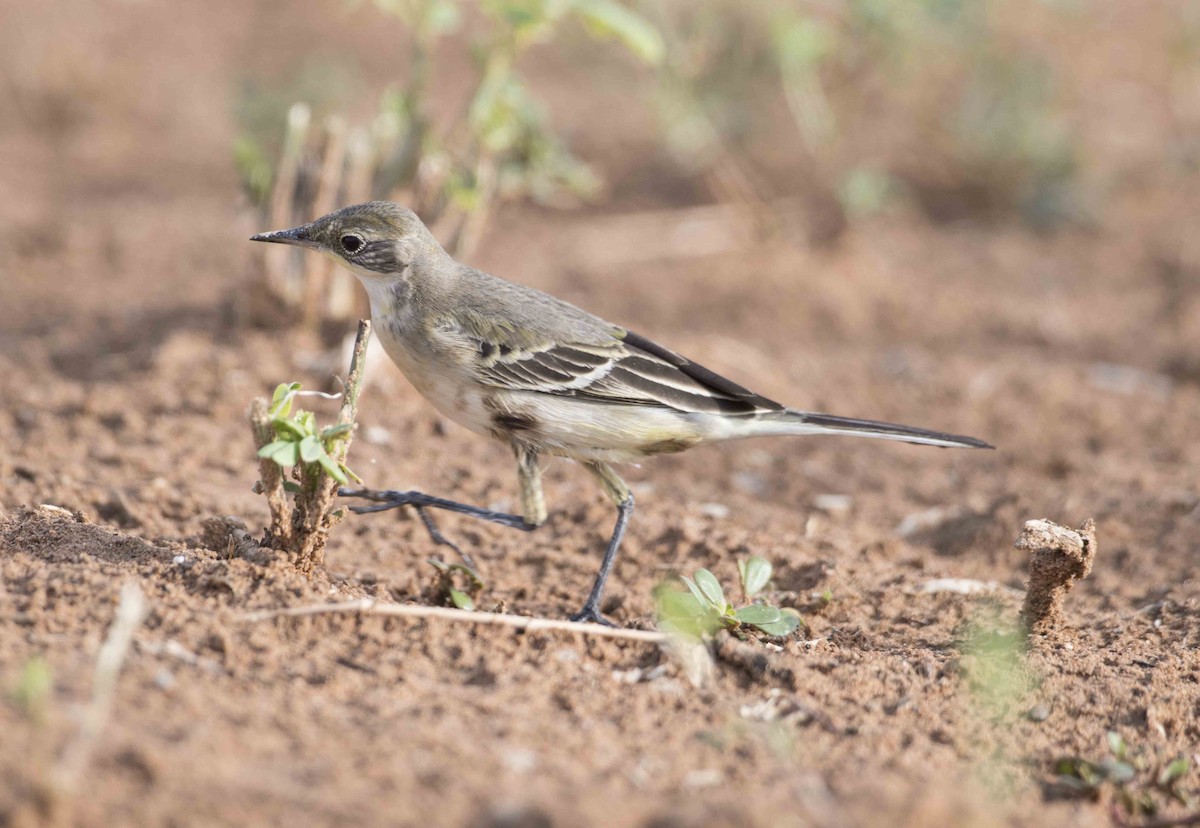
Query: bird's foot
[
  {"x": 384, "y": 499},
  {"x": 381, "y": 499},
  {"x": 590, "y": 614}
]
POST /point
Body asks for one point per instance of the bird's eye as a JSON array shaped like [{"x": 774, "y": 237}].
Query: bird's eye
[{"x": 352, "y": 243}]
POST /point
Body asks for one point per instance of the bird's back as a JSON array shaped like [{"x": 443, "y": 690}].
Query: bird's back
[{"x": 522, "y": 311}]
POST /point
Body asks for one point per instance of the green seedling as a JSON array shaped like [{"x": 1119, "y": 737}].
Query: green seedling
[
  {"x": 994, "y": 668},
  {"x": 1134, "y": 780},
  {"x": 300, "y": 458},
  {"x": 31, "y": 693},
  {"x": 300, "y": 442},
  {"x": 701, "y": 608},
  {"x": 446, "y": 583}
]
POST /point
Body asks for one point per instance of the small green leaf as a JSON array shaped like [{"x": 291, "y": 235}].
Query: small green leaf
[
  {"x": 284, "y": 452},
  {"x": 254, "y": 167},
  {"x": 292, "y": 486},
  {"x": 789, "y": 621},
  {"x": 1116, "y": 744},
  {"x": 281, "y": 400},
  {"x": 786, "y": 625},
  {"x": 606, "y": 18},
  {"x": 674, "y": 603},
  {"x": 758, "y": 614},
  {"x": 34, "y": 686},
  {"x": 346, "y": 470},
  {"x": 756, "y": 574},
  {"x": 1173, "y": 772},
  {"x": 710, "y": 588},
  {"x": 288, "y": 430},
  {"x": 695, "y": 590},
  {"x": 460, "y": 599},
  {"x": 332, "y": 468},
  {"x": 311, "y": 450},
  {"x": 271, "y": 448},
  {"x": 306, "y": 421},
  {"x": 336, "y": 432},
  {"x": 1118, "y": 771}
]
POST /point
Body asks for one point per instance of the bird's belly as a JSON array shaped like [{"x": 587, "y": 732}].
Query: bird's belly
[
  {"x": 588, "y": 430},
  {"x": 458, "y": 399}
]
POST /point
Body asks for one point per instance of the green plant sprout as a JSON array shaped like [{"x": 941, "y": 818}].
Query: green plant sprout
[
  {"x": 299, "y": 458},
  {"x": 300, "y": 442},
  {"x": 702, "y": 609},
  {"x": 461, "y": 598},
  {"x": 1134, "y": 779},
  {"x": 33, "y": 689}
]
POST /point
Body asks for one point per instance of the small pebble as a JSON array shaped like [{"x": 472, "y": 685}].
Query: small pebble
[
  {"x": 1038, "y": 713},
  {"x": 164, "y": 679},
  {"x": 706, "y": 778},
  {"x": 377, "y": 436},
  {"x": 519, "y": 760},
  {"x": 834, "y": 504},
  {"x": 750, "y": 483}
]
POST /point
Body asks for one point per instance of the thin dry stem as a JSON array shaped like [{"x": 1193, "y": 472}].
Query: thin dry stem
[
  {"x": 78, "y": 753},
  {"x": 280, "y": 279},
  {"x": 312, "y": 518},
  {"x": 271, "y": 478},
  {"x": 369, "y": 606},
  {"x": 317, "y": 269}
]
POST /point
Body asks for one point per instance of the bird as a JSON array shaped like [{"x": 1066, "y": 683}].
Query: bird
[{"x": 514, "y": 363}]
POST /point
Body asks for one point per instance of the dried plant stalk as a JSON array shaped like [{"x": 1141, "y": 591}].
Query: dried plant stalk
[
  {"x": 281, "y": 278},
  {"x": 301, "y": 527},
  {"x": 270, "y": 481}
]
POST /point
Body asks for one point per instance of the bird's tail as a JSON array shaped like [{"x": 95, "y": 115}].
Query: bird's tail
[{"x": 791, "y": 421}]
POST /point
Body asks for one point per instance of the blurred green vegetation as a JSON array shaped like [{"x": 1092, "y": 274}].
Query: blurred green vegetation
[
  {"x": 499, "y": 146},
  {"x": 933, "y": 101},
  {"x": 943, "y": 106}
]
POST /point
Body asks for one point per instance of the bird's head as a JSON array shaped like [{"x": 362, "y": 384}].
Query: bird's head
[{"x": 375, "y": 240}]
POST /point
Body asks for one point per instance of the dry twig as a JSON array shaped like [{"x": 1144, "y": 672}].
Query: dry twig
[
  {"x": 369, "y": 606},
  {"x": 78, "y": 753}
]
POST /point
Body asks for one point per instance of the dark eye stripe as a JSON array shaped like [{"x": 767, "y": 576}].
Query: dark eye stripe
[{"x": 380, "y": 256}]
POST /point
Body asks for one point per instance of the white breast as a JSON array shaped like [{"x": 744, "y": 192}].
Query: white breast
[{"x": 433, "y": 375}]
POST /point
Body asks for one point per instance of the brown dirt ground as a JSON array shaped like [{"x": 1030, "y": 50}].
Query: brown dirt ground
[{"x": 124, "y": 379}]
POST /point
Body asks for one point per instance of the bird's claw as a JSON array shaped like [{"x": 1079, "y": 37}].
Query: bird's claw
[{"x": 590, "y": 614}]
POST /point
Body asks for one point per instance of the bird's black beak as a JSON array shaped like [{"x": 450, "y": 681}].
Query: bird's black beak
[{"x": 298, "y": 236}]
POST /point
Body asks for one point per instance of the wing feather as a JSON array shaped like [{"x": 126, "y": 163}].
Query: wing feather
[{"x": 626, "y": 369}]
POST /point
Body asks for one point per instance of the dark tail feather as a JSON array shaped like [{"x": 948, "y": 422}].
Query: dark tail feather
[{"x": 804, "y": 422}]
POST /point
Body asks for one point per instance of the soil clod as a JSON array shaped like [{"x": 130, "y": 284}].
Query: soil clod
[{"x": 1058, "y": 557}]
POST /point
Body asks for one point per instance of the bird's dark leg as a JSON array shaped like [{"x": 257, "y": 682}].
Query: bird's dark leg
[
  {"x": 384, "y": 499},
  {"x": 436, "y": 534},
  {"x": 534, "y": 504},
  {"x": 619, "y": 493}
]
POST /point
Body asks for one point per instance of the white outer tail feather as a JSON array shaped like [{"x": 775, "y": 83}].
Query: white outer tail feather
[{"x": 793, "y": 422}]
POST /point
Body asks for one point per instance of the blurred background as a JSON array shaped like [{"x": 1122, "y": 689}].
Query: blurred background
[{"x": 140, "y": 141}]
